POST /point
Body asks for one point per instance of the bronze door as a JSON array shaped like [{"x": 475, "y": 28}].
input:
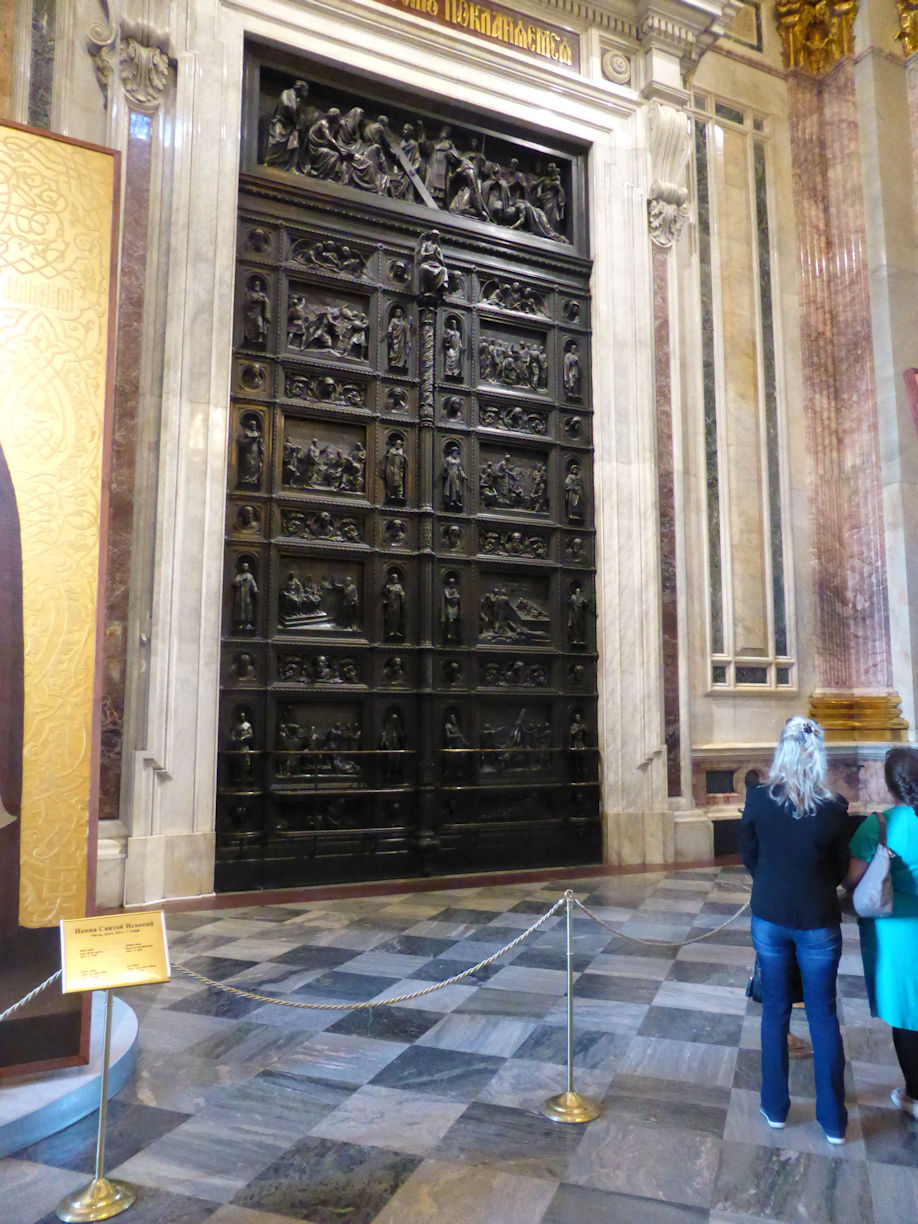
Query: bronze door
[{"x": 409, "y": 661}]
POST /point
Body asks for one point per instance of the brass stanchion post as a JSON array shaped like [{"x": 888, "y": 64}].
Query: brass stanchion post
[
  {"x": 570, "y": 1106},
  {"x": 103, "y": 1197}
]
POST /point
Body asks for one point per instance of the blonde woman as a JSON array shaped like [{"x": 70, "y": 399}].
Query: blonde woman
[{"x": 794, "y": 842}]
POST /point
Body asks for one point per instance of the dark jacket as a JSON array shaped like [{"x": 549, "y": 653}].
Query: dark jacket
[{"x": 796, "y": 864}]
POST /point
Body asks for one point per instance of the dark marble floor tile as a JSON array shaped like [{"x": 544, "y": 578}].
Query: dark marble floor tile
[
  {"x": 328, "y": 1183},
  {"x": 129, "y": 1128},
  {"x": 404, "y": 1024},
  {"x": 443, "y": 967},
  {"x": 684, "y": 1024},
  {"x": 159, "y": 1207},
  {"x": 851, "y": 986},
  {"x": 592, "y": 1050},
  {"x": 797, "y": 1188},
  {"x": 309, "y": 957},
  {"x": 728, "y": 938},
  {"x": 447, "y": 1073},
  {"x": 719, "y": 907},
  {"x": 549, "y": 958},
  {"x": 476, "y": 917},
  {"x": 581, "y": 1205},
  {"x": 618, "y": 945},
  {"x": 615, "y": 988},
  {"x": 748, "y": 1074},
  {"x": 513, "y": 1140},
  {"x": 339, "y": 986},
  {"x": 415, "y": 945},
  {"x": 890, "y": 1136},
  {"x": 494, "y": 933},
  {"x": 534, "y": 905},
  {"x": 655, "y": 1104},
  {"x": 218, "y": 968},
  {"x": 709, "y": 973},
  {"x": 213, "y": 1002}
]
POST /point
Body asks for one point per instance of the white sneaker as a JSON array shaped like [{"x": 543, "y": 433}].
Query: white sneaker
[
  {"x": 771, "y": 1122},
  {"x": 903, "y": 1101},
  {"x": 837, "y": 1140}
]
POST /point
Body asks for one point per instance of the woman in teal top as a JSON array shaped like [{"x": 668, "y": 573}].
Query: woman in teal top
[{"x": 889, "y": 946}]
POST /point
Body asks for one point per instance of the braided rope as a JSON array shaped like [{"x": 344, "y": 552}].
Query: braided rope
[
  {"x": 417, "y": 994},
  {"x": 662, "y": 943},
  {"x": 30, "y": 996}
]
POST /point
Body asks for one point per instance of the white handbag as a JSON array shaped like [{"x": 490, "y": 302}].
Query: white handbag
[{"x": 873, "y": 896}]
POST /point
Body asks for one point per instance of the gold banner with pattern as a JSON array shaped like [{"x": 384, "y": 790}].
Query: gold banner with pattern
[{"x": 56, "y": 226}]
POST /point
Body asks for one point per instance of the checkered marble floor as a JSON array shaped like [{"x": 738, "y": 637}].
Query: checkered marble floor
[{"x": 244, "y": 1112}]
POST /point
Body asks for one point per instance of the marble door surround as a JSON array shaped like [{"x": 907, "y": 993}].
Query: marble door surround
[{"x": 193, "y": 84}]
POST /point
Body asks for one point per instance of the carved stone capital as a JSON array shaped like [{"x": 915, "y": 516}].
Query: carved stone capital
[
  {"x": 815, "y": 35},
  {"x": 682, "y": 28},
  {"x": 908, "y": 26},
  {"x": 139, "y": 50},
  {"x": 670, "y": 146}
]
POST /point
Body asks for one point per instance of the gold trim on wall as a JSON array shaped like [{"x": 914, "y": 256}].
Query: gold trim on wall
[
  {"x": 848, "y": 717},
  {"x": 56, "y": 234}
]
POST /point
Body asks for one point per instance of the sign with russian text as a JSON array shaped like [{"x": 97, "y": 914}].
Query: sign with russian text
[
  {"x": 500, "y": 25},
  {"x": 115, "y": 951}
]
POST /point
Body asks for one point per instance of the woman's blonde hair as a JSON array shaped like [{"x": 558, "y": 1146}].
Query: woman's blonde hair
[{"x": 798, "y": 771}]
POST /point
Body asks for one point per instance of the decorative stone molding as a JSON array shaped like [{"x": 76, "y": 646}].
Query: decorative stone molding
[
  {"x": 815, "y": 36},
  {"x": 908, "y": 26},
  {"x": 685, "y": 30},
  {"x": 615, "y": 66},
  {"x": 141, "y": 52},
  {"x": 670, "y": 146}
]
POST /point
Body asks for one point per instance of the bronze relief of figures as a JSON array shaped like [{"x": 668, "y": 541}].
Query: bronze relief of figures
[
  {"x": 577, "y": 609},
  {"x": 398, "y": 339},
  {"x": 245, "y": 596},
  {"x": 393, "y": 607},
  {"x": 453, "y": 348},
  {"x": 241, "y": 744},
  {"x": 322, "y": 603},
  {"x": 453, "y": 477},
  {"x": 395, "y": 471},
  {"x": 354, "y": 149},
  {"x": 573, "y": 492},
  {"x": 325, "y": 467},
  {"x": 257, "y": 313},
  {"x": 570, "y": 374},
  {"x": 513, "y": 363},
  {"x": 451, "y": 610},
  {"x": 341, "y": 330},
  {"x": 511, "y": 485},
  {"x": 433, "y": 276},
  {"x": 250, "y": 451}
]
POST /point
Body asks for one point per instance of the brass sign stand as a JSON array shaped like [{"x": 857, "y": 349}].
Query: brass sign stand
[
  {"x": 103, "y": 954},
  {"x": 570, "y": 1106},
  {"x": 103, "y": 1197}
]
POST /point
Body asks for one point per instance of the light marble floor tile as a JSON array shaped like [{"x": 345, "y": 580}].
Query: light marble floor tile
[
  {"x": 478, "y": 1034},
  {"x": 709, "y": 952},
  {"x": 725, "y": 1000},
  {"x": 894, "y": 1190},
  {"x": 29, "y": 1191},
  {"x": 442, "y": 1193},
  {"x": 230, "y": 1214},
  {"x": 532, "y": 981},
  {"x": 603, "y": 1015},
  {"x": 873, "y": 1083},
  {"x": 397, "y": 1119},
  {"x": 340, "y": 1057},
  {"x": 677, "y": 1166},
  {"x": 662, "y": 1058},
  {"x": 523, "y": 1083},
  {"x": 793, "y": 1188},
  {"x": 655, "y": 968},
  {"x": 443, "y": 1000},
  {"x": 803, "y": 1133},
  {"x": 388, "y": 964}
]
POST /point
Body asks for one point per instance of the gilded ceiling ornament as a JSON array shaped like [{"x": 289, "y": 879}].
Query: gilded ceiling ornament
[
  {"x": 908, "y": 26},
  {"x": 815, "y": 36}
]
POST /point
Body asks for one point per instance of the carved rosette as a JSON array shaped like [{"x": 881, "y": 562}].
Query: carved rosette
[
  {"x": 141, "y": 53},
  {"x": 908, "y": 26},
  {"x": 670, "y": 145},
  {"x": 815, "y": 36}
]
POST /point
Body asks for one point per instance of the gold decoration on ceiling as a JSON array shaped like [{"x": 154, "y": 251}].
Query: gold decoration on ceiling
[
  {"x": 814, "y": 37},
  {"x": 908, "y": 26}
]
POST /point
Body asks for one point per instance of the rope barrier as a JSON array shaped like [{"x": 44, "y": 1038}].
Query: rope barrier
[
  {"x": 416, "y": 994},
  {"x": 30, "y": 996},
  {"x": 661, "y": 943}
]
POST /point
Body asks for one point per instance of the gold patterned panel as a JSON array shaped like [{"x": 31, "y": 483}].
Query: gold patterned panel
[
  {"x": 908, "y": 25},
  {"x": 815, "y": 36},
  {"x": 56, "y": 201}
]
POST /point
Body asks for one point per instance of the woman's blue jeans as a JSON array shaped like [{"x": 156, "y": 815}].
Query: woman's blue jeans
[{"x": 817, "y": 952}]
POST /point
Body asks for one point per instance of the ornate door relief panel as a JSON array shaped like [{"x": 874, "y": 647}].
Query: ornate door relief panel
[{"x": 409, "y": 668}]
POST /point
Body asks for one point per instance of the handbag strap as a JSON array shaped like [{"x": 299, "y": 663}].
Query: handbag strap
[{"x": 881, "y": 821}]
